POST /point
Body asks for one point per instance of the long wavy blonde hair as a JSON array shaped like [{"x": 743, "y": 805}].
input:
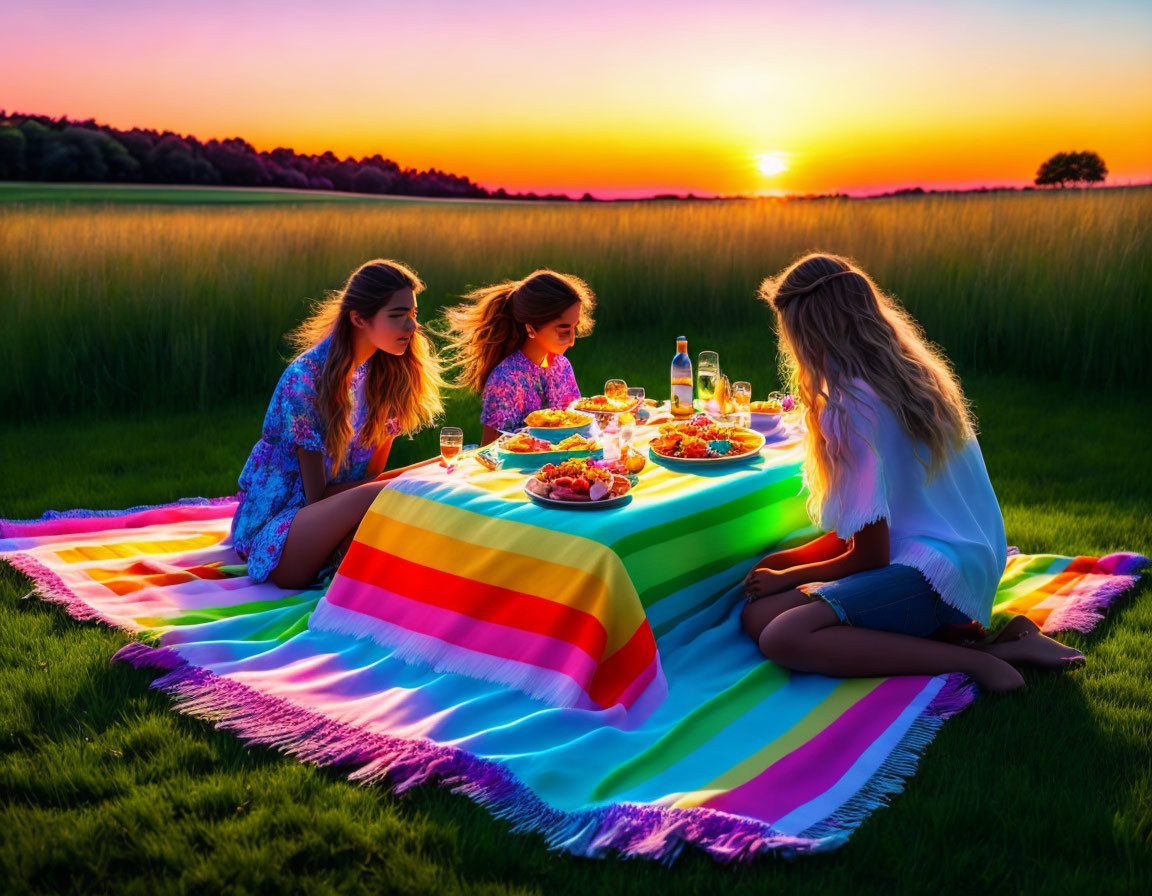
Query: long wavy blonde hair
[
  {"x": 402, "y": 387},
  {"x": 492, "y": 322},
  {"x": 834, "y": 325}
]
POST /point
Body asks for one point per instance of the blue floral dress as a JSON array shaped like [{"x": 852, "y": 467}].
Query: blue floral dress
[
  {"x": 270, "y": 483},
  {"x": 517, "y": 387}
]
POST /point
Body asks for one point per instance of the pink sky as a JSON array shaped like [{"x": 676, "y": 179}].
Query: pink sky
[{"x": 658, "y": 97}]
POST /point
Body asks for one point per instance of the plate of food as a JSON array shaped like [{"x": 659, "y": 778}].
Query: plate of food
[
  {"x": 526, "y": 452},
  {"x": 702, "y": 442},
  {"x": 556, "y": 424},
  {"x": 578, "y": 484}
]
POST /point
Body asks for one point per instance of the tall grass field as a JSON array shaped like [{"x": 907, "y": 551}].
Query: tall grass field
[
  {"x": 139, "y": 344},
  {"x": 127, "y": 307}
]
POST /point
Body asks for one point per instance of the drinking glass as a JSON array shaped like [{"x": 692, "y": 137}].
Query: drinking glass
[
  {"x": 742, "y": 397},
  {"x": 636, "y": 396},
  {"x": 616, "y": 390},
  {"x": 707, "y": 372},
  {"x": 451, "y": 441}
]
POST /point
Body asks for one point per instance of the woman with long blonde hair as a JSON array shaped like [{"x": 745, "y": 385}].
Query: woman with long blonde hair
[
  {"x": 915, "y": 542},
  {"x": 364, "y": 373},
  {"x": 508, "y": 343}
]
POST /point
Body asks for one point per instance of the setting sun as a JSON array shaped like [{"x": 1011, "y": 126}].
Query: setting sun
[{"x": 771, "y": 163}]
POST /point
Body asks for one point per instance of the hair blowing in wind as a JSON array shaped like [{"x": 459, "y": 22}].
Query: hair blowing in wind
[
  {"x": 404, "y": 388},
  {"x": 834, "y": 325}
]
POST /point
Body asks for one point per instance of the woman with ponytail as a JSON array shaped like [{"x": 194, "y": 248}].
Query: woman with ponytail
[
  {"x": 364, "y": 373},
  {"x": 509, "y": 341}
]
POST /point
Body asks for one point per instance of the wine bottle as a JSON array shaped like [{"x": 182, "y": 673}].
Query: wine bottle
[{"x": 681, "y": 380}]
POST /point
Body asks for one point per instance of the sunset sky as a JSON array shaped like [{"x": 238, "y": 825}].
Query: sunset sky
[{"x": 621, "y": 99}]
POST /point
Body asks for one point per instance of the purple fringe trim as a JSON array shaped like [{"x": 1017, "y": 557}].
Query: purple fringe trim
[
  {"x": 51, "y": 587},
  {"x": 653, "y": 832},
  {"x": 888, "y": 781},
  {"x": 1081, "y": 614},
  {"x": 81, "y": 514},
  {"x": 633, "y": 830}
]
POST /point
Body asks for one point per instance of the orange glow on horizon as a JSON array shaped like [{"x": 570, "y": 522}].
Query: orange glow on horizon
[{"x": 661, "y": 98}]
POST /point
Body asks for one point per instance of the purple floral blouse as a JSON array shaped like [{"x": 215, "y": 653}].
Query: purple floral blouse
[
  {"x": 270, "y": 483},
  {"x": 517, "y": 387}
]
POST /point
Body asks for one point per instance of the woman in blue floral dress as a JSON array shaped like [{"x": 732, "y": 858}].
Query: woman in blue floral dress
[
  {"x": 365, "y": 373},
  {"x": 509, "y": 342}
]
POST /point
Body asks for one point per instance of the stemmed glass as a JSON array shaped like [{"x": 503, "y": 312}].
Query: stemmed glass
[
  {"x": 451, "y": 441},
  {"x": 707, "y": 373},
  {"x": 616, "y": 390}
]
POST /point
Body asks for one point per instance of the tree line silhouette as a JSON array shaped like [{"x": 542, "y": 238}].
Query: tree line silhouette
[{"x": 37, "y": 147}]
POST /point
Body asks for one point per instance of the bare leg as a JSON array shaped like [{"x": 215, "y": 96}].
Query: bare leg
[
  {"x": 826, "y": 547},
  {"x": 755, "y": 616},
  {"x": 318, "y": 529},
  {"x": 811, "y": 638}
]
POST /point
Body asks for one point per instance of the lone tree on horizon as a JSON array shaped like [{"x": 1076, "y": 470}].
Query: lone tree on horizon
[{"x": 1066, "y": 168}]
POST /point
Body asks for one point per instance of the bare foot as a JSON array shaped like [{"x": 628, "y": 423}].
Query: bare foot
[
  {"x": 1017, "y": 627},
  {"x": 1034, "y": 648},
  {"x": 997, "y": 676}
]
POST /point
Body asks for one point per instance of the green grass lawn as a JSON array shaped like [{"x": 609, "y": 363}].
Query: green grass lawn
[
  {"x": 38, "y": 191},
  {"x": 105, "y": 789}
]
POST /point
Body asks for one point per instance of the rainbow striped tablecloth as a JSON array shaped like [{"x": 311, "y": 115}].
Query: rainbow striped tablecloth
[
  {"x": 463, "y": 572},
  {"x": 740, "y": 757}
]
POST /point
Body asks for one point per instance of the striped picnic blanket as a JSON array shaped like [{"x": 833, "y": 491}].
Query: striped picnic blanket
[
  {"x": 736, "y": 756},
  {"x": 462, "y": 571}
]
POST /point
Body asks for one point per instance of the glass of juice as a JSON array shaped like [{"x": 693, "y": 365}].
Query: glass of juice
[
  {"x": 742, "y": 399},
  {"x": 707, "y": 373},
  {"x": 451, "y": 441}
]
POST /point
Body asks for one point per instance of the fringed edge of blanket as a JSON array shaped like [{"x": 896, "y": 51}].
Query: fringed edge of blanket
[
  {"x": 51, "y": 516},
  {"x": 629, "y": 829},
  {"x": 1080, "y": 612},
  {"x": 900, "y": 765},
  {"x": 51, "y": 588}
]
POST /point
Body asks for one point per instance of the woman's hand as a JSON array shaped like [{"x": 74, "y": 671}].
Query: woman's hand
[{"x": 763, "y": 582}]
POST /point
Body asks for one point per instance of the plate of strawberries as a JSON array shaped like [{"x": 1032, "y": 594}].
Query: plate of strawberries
[
  {"x": 578, "y": 484},
  {"x": 701, "y": 441}
]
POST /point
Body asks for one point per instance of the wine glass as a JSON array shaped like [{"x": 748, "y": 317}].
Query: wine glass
[
  {"x": 451, "y": 441},
  {"x": 636, "y": 396},
  {"x": 707, "y": 373},
  {"x": 742, "y": 398},
  {"x": 616, "y": 390}
]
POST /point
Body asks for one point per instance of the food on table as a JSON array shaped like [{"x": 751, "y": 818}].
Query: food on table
[
  {"x": 766, "y": 407},
  {"x": 628, "y": 464},
  {"x": 523, "y": 443},
  {"x": 556, "y": 419},
  {"x": 603, "y": 404},
  {"x": 576, "y": 442},
  {"x": 627, "y": 419},
  {"x": 700, "y": 437},
  {"x": 579, "y": 481}
]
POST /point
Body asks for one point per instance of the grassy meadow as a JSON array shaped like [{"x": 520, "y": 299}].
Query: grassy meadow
[{"x": 140, "y": 344}]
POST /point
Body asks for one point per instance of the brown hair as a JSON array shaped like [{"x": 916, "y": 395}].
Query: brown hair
[
  {"x": 834, "y": 325},
  {"x": 405, "y": 387},
  {"x": 492, "y": 321}
]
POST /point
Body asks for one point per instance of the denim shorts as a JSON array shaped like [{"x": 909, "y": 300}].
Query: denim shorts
[{"x": 894, "y": 598}]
